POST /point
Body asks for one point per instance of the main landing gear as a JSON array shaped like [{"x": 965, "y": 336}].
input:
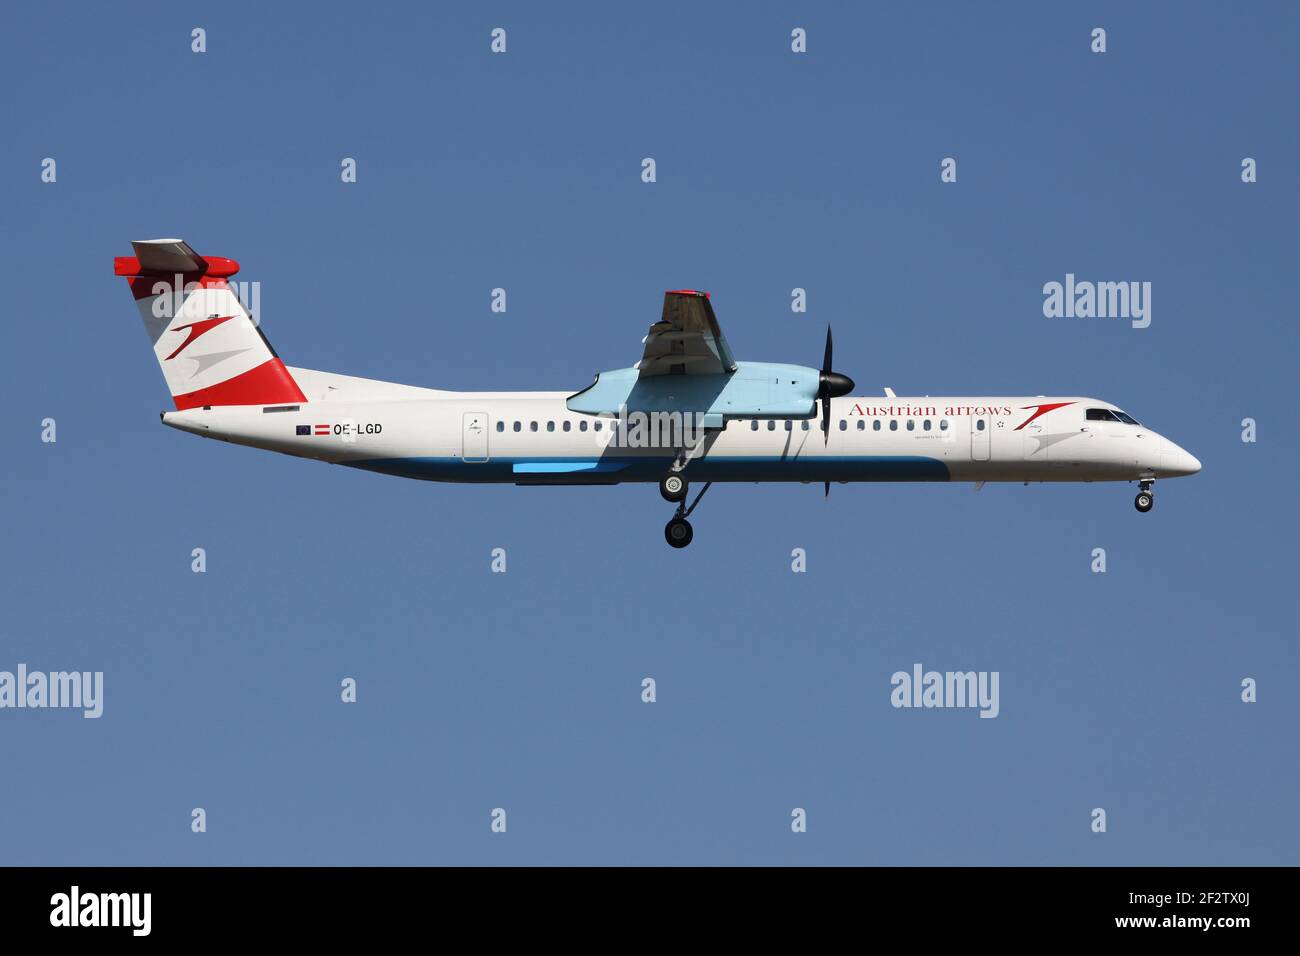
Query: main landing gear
[
  {"x": 678, "y": 532},
  {"x": 672, "y": 488},
  {"x": 1146, "y": 498}
]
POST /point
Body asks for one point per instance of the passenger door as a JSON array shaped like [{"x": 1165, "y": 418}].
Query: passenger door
[
  {"x": 474, "y": 437},
  {"x": 980, "y": 441}
]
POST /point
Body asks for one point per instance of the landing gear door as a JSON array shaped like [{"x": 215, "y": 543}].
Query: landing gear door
[
  {"x": 981, "y": 429},
  {"x": 474, "y": 437}
]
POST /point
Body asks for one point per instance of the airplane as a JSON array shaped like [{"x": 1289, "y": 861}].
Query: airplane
[{"x": 688, "y": 411}]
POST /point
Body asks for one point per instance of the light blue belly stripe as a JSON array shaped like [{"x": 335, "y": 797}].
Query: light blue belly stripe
[{"x": 563, "y": 467}]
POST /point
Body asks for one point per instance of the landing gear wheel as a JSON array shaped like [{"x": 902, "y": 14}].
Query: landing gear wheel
[
  {"x": 673, "y": 488},
  {"x": 1144, "y": 501},
  {"x": 678, "y": 532}
]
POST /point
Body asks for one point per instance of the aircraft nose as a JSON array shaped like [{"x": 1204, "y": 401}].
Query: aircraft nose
[{"x": 1178, "y": 461}]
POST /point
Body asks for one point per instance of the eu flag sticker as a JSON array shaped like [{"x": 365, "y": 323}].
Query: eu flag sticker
[{"x": 302, "y": 430}]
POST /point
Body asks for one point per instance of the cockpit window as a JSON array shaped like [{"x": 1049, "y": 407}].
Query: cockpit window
[{"x": 1109, "y": 415}]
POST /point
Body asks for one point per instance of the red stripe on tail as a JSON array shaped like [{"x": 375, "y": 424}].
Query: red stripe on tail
[{"x": 267, "y": 384}]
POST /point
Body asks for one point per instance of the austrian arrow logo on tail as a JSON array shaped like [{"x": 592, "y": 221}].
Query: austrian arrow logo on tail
[
  {"x": 197, "y": 329},
  {"x": 1041, "y": 410}
]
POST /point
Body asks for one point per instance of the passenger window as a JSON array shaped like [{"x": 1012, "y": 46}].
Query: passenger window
[
  {"x": 875, "y": 426},
  {"x": 516, "y": 426},
  {"x": 501, "y": 426},
  {"x": 788, "y": 424},
  {"x": 943, "y": 424},
  {"x": 550, "y": 426},
  {"x": 805, "y": 424},
  {"x": 532, "y": 426},
  {"x": 582, "y": 425},
  {"x": 595, "y": 426},
  {"x": 567, "y": 425},
  {"x": 926, "y": 424},
  {"x": 893, "y": 424},
  {"x": 862, "y": 424},
  {"x": 753, "y": 426},
  {"x": 771, "y": 424},
  {"x": 911, "y": 425},
  {"x": 843, "y": 424},
  {"x": 979, "y": 424}
]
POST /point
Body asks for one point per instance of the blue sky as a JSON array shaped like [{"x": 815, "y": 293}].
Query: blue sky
[{"x": 522, "y": 690}]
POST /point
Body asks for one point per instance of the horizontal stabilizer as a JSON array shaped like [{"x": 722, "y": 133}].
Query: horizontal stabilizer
[{"x": 168, "y": 257}]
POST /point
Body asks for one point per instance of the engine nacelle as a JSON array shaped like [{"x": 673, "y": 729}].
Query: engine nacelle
[{"x": 753, "y": 390}]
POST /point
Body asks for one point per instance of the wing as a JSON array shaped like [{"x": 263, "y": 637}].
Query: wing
[{"x": 686, "y": 340}]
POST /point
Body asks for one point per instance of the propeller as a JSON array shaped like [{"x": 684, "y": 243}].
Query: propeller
[{"x": 830, "y": 385}]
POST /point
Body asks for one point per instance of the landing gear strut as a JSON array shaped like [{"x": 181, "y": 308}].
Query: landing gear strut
[
  {"x": 673, "y": 487},
  {"x": 678, "y": 532},
  {"x": 1145, "y": 499}
]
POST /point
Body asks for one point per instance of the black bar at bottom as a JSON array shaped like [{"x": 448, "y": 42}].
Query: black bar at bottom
[{"x": 672, "y": 906}]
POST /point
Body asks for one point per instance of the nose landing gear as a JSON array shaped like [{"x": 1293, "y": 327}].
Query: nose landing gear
[{"x": 1145, "y": 499}]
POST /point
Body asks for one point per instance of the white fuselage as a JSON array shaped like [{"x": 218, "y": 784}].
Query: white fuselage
[{"x": 533, "y": 438}]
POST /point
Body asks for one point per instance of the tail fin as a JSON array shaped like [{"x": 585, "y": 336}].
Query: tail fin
[{"x": 210, "y": 350}]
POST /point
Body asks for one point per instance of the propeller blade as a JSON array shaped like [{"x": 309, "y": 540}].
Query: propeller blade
[{"x": 831, "y": 384}]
